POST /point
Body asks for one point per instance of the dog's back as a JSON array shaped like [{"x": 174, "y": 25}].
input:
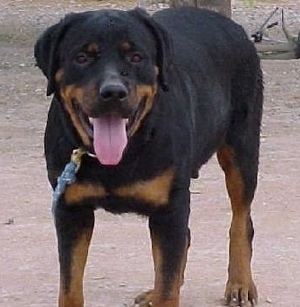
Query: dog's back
[
  {"x": 218, "y": 69},
  {"x": 200, "y": 36}
]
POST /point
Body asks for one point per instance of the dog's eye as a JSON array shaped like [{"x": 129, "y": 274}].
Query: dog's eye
[
  {"x": 81, "y": 58},
  {"x": 136, "y": 58}
]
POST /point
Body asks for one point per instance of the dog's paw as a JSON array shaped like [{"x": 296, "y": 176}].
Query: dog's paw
[
  {"x": 243, "y": 295},
  {"x": 144, "y": 299}
]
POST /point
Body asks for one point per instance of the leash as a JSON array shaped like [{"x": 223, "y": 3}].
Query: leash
[{"x": 68, "y": 175}]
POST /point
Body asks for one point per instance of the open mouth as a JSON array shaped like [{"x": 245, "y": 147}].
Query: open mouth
[
  {"x": 109, "y": 133},
  {"x": 84, "y": 119}
]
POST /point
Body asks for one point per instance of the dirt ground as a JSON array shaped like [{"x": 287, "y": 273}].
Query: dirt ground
[{"x": 119, "y": 264}]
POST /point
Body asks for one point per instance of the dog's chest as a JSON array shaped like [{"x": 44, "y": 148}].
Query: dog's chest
[{"x": 113, "y": 188}]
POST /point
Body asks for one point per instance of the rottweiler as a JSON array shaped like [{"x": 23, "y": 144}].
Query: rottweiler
[{"x": 150, "y": 99}]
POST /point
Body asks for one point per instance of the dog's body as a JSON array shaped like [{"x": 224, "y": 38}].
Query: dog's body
[{"x": 157, "y": 115}]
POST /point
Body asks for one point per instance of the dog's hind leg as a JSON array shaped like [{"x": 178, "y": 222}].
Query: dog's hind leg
[
  {"x": 74, "y": 227},
  {"x": 238, "y": 158},
  {"x": 240, "y": 289}
]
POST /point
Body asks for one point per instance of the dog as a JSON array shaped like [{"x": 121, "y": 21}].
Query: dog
[{"x": 149, "y": 100}]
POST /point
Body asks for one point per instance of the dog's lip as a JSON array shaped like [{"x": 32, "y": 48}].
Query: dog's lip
[
  {"x": 136, "y": 114},
  {"x": 84, "y": 119},
  {"x": 92, "y": 118}
]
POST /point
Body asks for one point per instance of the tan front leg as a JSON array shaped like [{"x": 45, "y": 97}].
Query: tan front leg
[{"x": 74, "y": 232}]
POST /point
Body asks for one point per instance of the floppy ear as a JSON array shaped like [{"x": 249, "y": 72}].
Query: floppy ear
[
  {"x": 164, "y": 46},
  {"x": 46, "y": 50}
]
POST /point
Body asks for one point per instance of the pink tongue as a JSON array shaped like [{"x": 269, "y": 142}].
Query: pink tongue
[{"x": 110, "y": 138}]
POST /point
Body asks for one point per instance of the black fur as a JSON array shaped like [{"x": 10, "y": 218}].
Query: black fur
[{"x": 209, "y": 95}]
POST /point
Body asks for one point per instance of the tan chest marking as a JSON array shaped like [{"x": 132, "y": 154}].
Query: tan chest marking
[
  {"x": 154, "y": 191},
  {"x": 80, "y": 191}
]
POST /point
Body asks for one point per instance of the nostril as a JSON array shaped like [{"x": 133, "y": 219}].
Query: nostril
[
  {"x": 122, "y": 94},
  {"x": 106, "y": 94},
  {"x": 113, "y": 92}
]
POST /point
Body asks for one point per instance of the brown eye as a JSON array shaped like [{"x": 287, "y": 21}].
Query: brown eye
[
  {"x": 136, "y": 58},
  {"x": 81, "y": 58}
]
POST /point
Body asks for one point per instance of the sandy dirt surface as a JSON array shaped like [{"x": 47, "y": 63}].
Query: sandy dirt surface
[{"x": 119, "y": 264}]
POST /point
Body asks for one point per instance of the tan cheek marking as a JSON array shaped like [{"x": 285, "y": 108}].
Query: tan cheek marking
[
  {"x": 143, "y": 91},
  {"x": 79, "y": 191},
  {"x": 68, "y": 93},
  {"x": 125, "y": 46},
  {"x": 155, "y": 191},
  {"x": 59, "y": 76},
  {"x": 93, "y": 48}
]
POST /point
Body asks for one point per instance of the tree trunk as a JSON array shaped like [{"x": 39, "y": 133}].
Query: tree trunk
[{"x": 221, "y": 6}]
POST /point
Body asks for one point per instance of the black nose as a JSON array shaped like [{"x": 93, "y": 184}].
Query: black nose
[{"x": 113, "y": 92}]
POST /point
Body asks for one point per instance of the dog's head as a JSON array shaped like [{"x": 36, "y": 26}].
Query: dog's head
[{"x": 105, "y": 67}]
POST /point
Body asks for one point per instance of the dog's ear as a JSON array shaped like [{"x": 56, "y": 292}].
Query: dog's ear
[
  {"x": 164, "y": 46},
  {"x": 46, "y": 50}
]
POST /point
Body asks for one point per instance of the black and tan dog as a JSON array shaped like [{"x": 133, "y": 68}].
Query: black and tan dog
[{"x": 153, "y": 98}]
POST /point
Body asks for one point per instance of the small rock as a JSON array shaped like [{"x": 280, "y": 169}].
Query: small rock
[
  {"x": 269, "y": 301},
  {"x": 10, "y": 222}
]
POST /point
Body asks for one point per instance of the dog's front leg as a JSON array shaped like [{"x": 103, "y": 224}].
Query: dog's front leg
[
  {"x": 170, "y": 238},
  {"x": 74, "y": 227}
]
